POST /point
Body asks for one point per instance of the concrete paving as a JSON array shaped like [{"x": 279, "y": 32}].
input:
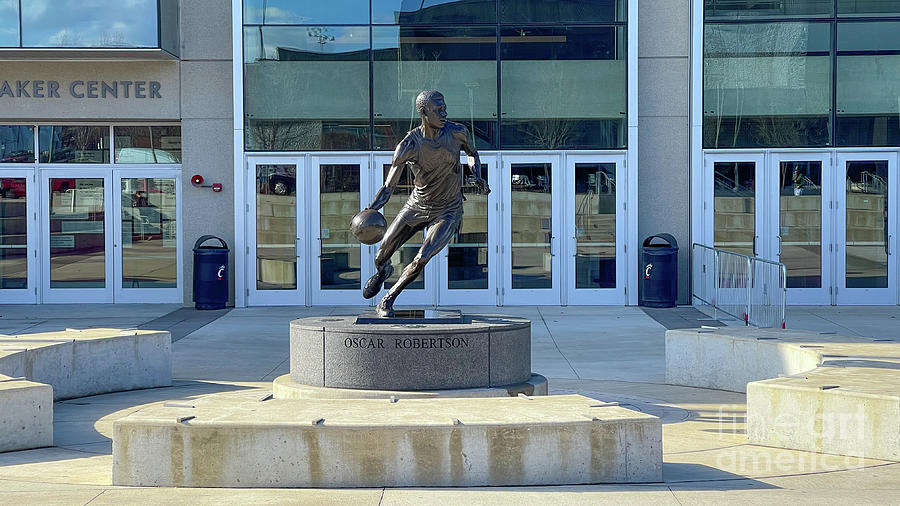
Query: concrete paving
[{"x": 608, "y": 353}]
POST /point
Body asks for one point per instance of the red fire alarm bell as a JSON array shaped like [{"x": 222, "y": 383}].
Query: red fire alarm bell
[{"x": 196, "y": 180}]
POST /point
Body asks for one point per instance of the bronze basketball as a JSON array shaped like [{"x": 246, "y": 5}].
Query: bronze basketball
[{"x": 368, "y": 226}]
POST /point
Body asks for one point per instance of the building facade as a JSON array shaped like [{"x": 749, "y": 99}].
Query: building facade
[{"x": 769, "y": 128}]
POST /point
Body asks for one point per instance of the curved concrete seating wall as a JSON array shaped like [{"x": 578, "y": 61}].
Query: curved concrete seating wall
[
  {"x": 78, "y": 363},
  {"x": 805, "y": 390},
  {"x": 26, "y": 414}
]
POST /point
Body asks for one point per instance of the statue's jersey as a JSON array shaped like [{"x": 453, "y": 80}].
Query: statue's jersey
[{"x": 436, "y": 168}]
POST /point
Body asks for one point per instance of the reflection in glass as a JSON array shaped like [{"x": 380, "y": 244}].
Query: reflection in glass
[
  {"x": 467, "y": 255},
  {"x": 550, "y": 79},
  {"x": 149, "y": 233},
  {"x": 292, "y": 12},
  {"x": 72, "y": 24},
  {"x": 595, "y": 225},
  {"x": 73, "y": 144},
  {"x": 9, "y": 23},
  {"x": 867, "y": 224},
  {"x": 77, "y": 238},
  {"x": 735, "y": 206},
  {"x": 531, "y": 222},
  {"x": 762, "y": 9},
  {"x": 868, "y": 63},
  {"x": 461, "y": 65},
  {"x": 766, "y": 84},
  {"x": 148, "y": 144},
  {"x": 433, "y": 12},
  {"x": 801, "y": 223},
  {"x": 16, "y": 144},
  {"x": 405, "y": 254},
  {"x": 562, "y": 11},
  {"x": 308, "y": 88},
  {"x": 13, "y": 233},
  {"x": 339, "y": 201},
  {"x": 276, "y": 227},
  {"x": 868, "y": 7}
]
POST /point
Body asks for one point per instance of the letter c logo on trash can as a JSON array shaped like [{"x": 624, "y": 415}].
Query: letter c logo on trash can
[
  {"x": 646, "y": 271},
  {"x": 221, "y": 272}
]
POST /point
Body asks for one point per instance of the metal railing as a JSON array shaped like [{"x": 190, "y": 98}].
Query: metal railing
[{"x": 750, "y": 289}]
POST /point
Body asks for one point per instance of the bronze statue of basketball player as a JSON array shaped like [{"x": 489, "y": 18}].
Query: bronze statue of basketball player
[{"x": 431, "y": 151}]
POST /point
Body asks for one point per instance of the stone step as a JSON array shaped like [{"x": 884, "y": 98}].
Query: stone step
[
  {"x": 236, "y": 440},
  {"x": 26, "y": 414}
]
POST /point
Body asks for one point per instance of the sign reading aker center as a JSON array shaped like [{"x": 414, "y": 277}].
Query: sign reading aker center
[{"x": 80, "y": 89}]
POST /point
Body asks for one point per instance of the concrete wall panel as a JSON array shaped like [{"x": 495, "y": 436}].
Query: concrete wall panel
[{"x": 207, "y": 35}]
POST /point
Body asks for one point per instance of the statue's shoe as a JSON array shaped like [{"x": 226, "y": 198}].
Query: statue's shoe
[
  {"x": 373, "y": 285},
  {"x": 385, "y": 309}
]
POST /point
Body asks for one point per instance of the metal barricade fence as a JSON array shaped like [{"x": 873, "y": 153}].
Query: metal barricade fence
[{"x": 747, "y": 288}]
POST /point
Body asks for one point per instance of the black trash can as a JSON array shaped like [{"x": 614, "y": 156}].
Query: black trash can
[
  {"x": 210, "y": 274},
  {"x": 659, "y": 285}
]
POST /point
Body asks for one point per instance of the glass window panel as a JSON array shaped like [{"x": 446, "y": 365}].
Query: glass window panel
[
  {"x": 801, "y": 223},
  {"x": 94, "y": 23},
  {"x": 868, "y": 7},
  {"x": 762, "y": 9},
  {"x": 13, "y": 234},
  {"x": 868, "y": 63},
  {"x": 735, "y": 206},
  {"x": 77, "y": 233},
  {"x": 149, "y": 233},
  {"x": 562, "y": 11},
  {"x": 415, "y": 12},
  {"x": 148, "y": 144},
  {"x": 405, "y": 254},
  {"x": 461, "y": 65},
  {"x": 16, "y": 144},
  {"x": 766, "y": 85},
  {"x": 467, "y": 255},
  {"x": 73, "y": 144},
  {"x": 339, "y": 201},
  {"x": 169, "y": 27},
  {"x": 307, "y": 88},
  {"x": 867, "y": 224},
  {"x": 276, "y": 227},
  {"x": 531, "y": 225},
  {"x": 9, "y": 23},
  {"x": 543, "y": 70},
  {"x": 292, "y": 12},
  {"x": 595, "y": 225}
]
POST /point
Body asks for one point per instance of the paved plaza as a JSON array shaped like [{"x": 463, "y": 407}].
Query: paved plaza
[{"x": 608, "y": 353}]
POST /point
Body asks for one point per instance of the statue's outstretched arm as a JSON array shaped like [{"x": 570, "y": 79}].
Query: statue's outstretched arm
[
  {"x": 473, "y": 161},
  {"x": 402, "y": 154}
]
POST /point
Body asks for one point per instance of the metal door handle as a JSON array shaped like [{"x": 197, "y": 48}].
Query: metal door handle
[
  {"x": 779, "y": 245},
  {"x": 890, "y": 238},
  {"x": 754, "y": 244}
]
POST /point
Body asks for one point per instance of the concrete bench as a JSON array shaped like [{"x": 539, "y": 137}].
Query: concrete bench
[
  {"x": 236, "y": 440},
  {"x": 805, "y": 390},
  {"x": 36, "y": 369}
]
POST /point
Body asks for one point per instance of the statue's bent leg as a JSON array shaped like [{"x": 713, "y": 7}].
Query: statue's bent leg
[
  {"x": 439, "y": 235},
  {"x": 401, "y": 229}
]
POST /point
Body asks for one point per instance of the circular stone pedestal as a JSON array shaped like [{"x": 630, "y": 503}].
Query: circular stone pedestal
[{"x": 484, "y": 351}]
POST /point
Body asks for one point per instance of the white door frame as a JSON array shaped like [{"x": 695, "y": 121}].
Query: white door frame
[
  {"x": 804, "y": 296},
  {"x": 28, "y": 295},
  {"x": 77, "y": 295},
  {"x": 297, "y": 296},
  {"x": 486, "y": 296},
  {"x": 761, "y": 197},
  {"x": 864, "y": 296},
  {"x": 531, "y": 296},
  {"x": 593, "y": 296},
  {"x": 318, "y": 296},
  {"x": 145, "y": 295}
]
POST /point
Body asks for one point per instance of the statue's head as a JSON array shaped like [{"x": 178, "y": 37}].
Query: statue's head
[{"x": 431, "y": 108}]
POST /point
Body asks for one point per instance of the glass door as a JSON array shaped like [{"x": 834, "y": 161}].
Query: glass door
[
  {"x": 275, "y": 244},
  {"x": 146, "y": 236},
  {"x": 596, "y": 229},
  {"x": 420, "y": 291},
  {"x": 531, "y": 227},
  {"x": 76, "y": 215},
  {"x": 18, "y": 237},
  {"x": 801, "y": 226},
  {"x": 737, "y": 214},
  {"x": 468, "y": 265},
  {"x": 340, "y": 186},
  {"x": 865, "y": 226}
]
